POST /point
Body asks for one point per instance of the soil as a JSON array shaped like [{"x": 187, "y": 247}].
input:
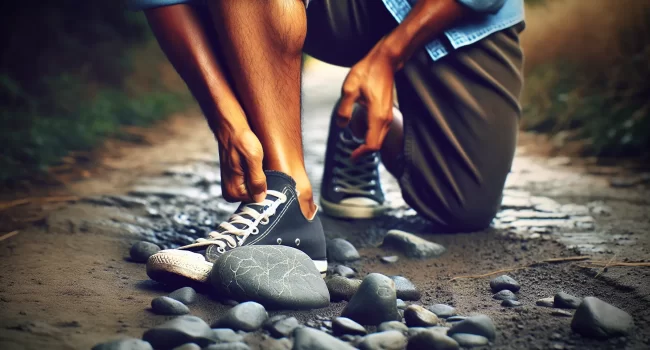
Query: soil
[{"x": 66, "y": 281}]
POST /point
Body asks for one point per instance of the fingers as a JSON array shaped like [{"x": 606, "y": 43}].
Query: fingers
[
  {"x": 255, "y": 177},
  {"x": 379, "y": 122},
  {"x": 232, "y": 179},
  {"x": 349, "y": 96}
]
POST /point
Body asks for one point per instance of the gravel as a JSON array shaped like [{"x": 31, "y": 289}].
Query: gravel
[
  {"x": 505, "y": 295},
  {"x": 417, "y": 316},
  {"x": 389, "y": 340},
  {"x": 186, "y": 295},
  {"x": 389, "y": 259},
  {"x": 392, "y": 326},
  {"x": 405, "y": 289},
  {"x": 546, "y": 302},
  {"x": 502, "y": 282},
  {"x": 412, "y": 245},
  {"x": 178, "y": 331},
  {"x": 168, "y": 306},
  {"x": 511, "y": 303},
  {"x": 564, "y": 300},
  {"x": 226, "y": 335},
  {"x": 341, "y": 250},
  {"x": 247, "y": 317},
  {"x": 124, "y": 344},
  {"x": 470, "y": 340},
  {"x": 479, "y": 325},
  {"x": 429, "y": 339},
  {"x": 306, "y": 338},
  {"x": 442, "y": 310},
  {"x": 284, "y": 327},
  {"x": 342, "y": 270},
  {"x": 374, "y": 302},
  {"x": 341, "y": 288},
  {"x": 228, "y": 346},
  {"x": 141, "y": 251}
]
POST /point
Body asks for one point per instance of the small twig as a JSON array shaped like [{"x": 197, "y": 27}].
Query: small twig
[
  {"x": 489, "y": 273},
  {"x": 14, "y": 203},
  {"x": 23, "y": 201},
  {"x": 8, "y": 235},
  {"x": 605, "y": 267},
  {"x": 603, "y": 263},
  {"x": 553, "y": 260}
]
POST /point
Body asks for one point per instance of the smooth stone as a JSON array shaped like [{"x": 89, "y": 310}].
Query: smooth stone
[
  {"x": 392, "y": 326},
  {"x": 168, "y": 306},
  {"x": 246, "y": 317},
  {"x": 228, "y": 346},
  {"x": 374, "y": 302},
  {"x": 273, "y": 319},
  {"x": 276, "y": 276},
  {"x": 389, "y": 340},
  {"x": 511, "y": 303},
  {"x": 186, "y": 295},
  {"x": 124, "y": 344},
  {"x": 141, "y": 251},
  {"x": 564, "y": 300},
  {"x": 562, "y": 313},
  {"x": 178, "y": 331},
  {"x": 598, "y": 319},
  {"x": 412, "y": 331},
  {"x": 479, "y": 325},
  {"x": 284, "y": 327},
  {"x": 417, "y": 316},
  {"x": 505, "y": 295},
  {"x": 412, "y": 245},
  {"x": 502, "y": 282},
  {"x": 188, "y": 346},
  {"x": 401, "y": 305},
  {"x": 305, "y": 338},
  {"x": 428, "y": 339},
  {"x": 545, "y": 302},
  {"x": 456, "y": 318},
  {"x": 339, "y": 249},
  {"x": 443, "y": 310},
  {"x": 342, "y": 270},
  {"x": 341, "y": 288},
  {"x": 405, "y": 289},
  {"x": 389, "y": 259},
  {"x": 344, "y": 325},
  {"x": 470, "y": 340},
  {"x": 226, "y": 335}
]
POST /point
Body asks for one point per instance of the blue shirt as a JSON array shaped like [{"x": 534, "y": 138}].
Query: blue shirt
[{"x": 492, "y": 16}]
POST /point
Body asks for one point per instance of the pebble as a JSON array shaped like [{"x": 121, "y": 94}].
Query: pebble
[
  {"x": 505, "y": 295},
  {"x": 246, "y": 317},
  {"x": 417, "y": 316},
  {"x": 401, "y": 305},
  {"x": 564, "y": 300},
  {"x": 276, "y": 276},
  {"x": 168, "y": 306},
  {"x": 186, "y": 295},
  {"x": 428, "y": 339},
  {"x": 479, "y": 325},
  {"x": 374, "y": 302},
  {"x": 470, "y": 340},
  {"x": 412, "y": 245},
  {"x": 228, "y": 346},
  {"x": 389, "y": 340},
  {"x": 341, "y": 250},
  {"x": 545, "y": 302},
  {"x": 560, "y": 312},
  {"x": 392, "y": 326},
  {"x": 598, "y": 319},
  {"x": 511, "y": 303},
  {"x": 456, "y": 318},
  {"x": 442, "y": 310},
  {"x": 188, "y": 346},
  {"x": 342, "y": 270},
  {"x": 178, "y": 331},
  {"x": 405, "y": 289},
  {"x": 284, "y": 327},
  {"x": 341, "y": 288},
  {"x": 389, "y": 259},
  {"x": 306, "y": 338},
  {"x": 502, "y": 282},
  {"x": 344, "y": 325},
  {"x": 124, "y": 344},
  {"x": 141, "y": 251},
  {"x": 226, "y": 335}
]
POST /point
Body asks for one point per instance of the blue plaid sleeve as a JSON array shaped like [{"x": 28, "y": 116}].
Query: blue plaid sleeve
[
  {"x": 139, "y": 5},
  {"x": 484, "y": 6}
]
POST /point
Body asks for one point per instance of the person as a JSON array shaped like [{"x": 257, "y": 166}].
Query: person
[{"x": 456, "y": 66}]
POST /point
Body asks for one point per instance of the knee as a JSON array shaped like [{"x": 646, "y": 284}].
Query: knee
[{"x": 290, "y": 29}]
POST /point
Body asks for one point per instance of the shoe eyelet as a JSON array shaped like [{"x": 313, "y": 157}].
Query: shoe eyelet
[
  {"x": 221, "y": 250},
  {"x": 337, "y": 189},
  {"x": 279, "y": 240},
  {"x": 297, "y": 242},
  {"x": 255, "y": 231},
  {"x": 373, "y": 192},
  {"x": 264, "y": 221}
]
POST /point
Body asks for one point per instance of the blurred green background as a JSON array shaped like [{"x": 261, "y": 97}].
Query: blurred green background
[{"x": 73, "y": 73}]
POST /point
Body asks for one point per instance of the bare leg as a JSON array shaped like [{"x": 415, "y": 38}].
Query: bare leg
[{"x": 262, "y": 44}]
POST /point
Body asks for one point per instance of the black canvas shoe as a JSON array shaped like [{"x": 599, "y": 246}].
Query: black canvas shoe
[
  {"x": 350, "y": 190},
  {"x": 276, "y": 220}
]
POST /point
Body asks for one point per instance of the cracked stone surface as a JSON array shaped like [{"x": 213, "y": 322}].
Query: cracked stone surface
[{"x": 276, "y": 276}]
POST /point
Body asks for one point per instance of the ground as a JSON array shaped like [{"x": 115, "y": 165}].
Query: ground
[{"x": 66, "y": 281}]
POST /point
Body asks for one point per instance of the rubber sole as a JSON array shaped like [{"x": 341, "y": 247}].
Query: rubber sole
[
  {"x": 351, "y": 212},
  {"x": 184, "y": 267}
]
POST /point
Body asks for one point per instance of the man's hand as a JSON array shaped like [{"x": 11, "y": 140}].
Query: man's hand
[
  {"x": 242, "y": 176},
  {"x": 370, "y": 83}
]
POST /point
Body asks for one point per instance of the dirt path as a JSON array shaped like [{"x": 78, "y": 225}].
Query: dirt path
[{"x": 65, "y": 282}]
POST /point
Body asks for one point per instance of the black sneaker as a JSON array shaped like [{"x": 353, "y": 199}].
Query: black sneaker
[
  {"x": 350, "y": 190},
  {"x": 276, "y": 220}
]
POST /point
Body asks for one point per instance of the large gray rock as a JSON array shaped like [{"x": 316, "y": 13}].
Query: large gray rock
[
  {"x": 428, "y": 339},
  {"x": 504, "y": 282},
  {"x": 186, "y": 295},
  {"x": 124, "y": 344},
  {"x": 178, "y": 331},
  {"x": 305, "y": 338},
  {"x": 598, "y": 319},
  {"x": 168, "y": 306},
  {"x": 412, "y": 245},
  {"x": 278, "y": 277},
  {"x": 339, "y": 249},
  {"x": 141, "y": 251},
  {"x": 479, "y": 325},
  {"x": 374, "y": 302},
  {"x": 405, "y": 289},
  {"x": 344, "y": 325},
  {"x": 389, "y": 340},
  {"x": 246, "y": 317},
  {"x": 443, "y": 310},
  {"x": 341, "y": 288},
  {"x": 564, "y": 300},
  {"x": 417, "y": 316}
]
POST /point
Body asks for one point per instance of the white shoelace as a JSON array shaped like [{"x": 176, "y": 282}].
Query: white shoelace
[
  {"x": 354, "y": 178},
  {"x": 231, "y": 236}
]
